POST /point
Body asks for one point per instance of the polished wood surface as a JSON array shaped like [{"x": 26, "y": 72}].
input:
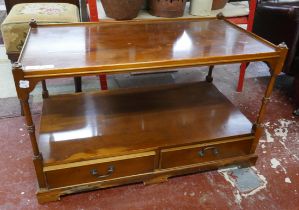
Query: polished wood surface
[
  {"x": 125, "y": 121},
  {"x": 155, "y": 177},
  {"x": 193, "y": 154},
  {"x": 81, "y": 173},
  {"x": 137, "y": 45}
]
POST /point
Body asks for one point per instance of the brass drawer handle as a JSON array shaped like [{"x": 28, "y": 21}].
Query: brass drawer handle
[
  {"x": 95, "y": 172},
  {"x": 215, "y": 151}
]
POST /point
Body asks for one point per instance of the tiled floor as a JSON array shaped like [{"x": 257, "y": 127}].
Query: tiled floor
[{"x": 272, "y": 184}]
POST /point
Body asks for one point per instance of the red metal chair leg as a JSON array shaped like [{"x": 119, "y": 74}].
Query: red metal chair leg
[
  {"x": 103, "y": 81},
  {"x": 93, "y": 10},
  {"x": 252, "y": 7},
  {"x": 241, "y": 77},
  {"x": 94, "y": 17}
]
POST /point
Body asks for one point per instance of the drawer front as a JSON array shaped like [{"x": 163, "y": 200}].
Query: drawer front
[
  {"x": 98, "y": 170},
  {"x": 202, "y": 153}
]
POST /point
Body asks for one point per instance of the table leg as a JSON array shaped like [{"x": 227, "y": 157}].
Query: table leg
[
  {"x": 78, "y": 84},
  {"x": 209, "y": 77},
  {"x": 45, "y": 92},
  {"x": 24, "y": 87},
  {"x": 276, "y": 68},
  {"x": 37, "y": 156},
  {"x": 22, "y": 112}
]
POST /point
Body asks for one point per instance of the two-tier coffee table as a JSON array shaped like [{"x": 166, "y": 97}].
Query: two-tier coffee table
[{"x": 101, "y": 139}]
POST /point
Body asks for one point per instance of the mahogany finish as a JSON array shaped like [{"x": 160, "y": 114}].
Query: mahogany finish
[
  {"x": 81, "y": 173},
  {"x": 117, "y": 122},
  {"x": 95, "y": 140},
  {"x": 108, "y": 46},
  {"x": 193, "y": 154}
]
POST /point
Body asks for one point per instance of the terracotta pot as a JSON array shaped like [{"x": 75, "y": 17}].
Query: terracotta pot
[
  {"x": 167, "y": 8},
  {"x": 219, "y": 4},
  {"x": 122, "y": 9}
]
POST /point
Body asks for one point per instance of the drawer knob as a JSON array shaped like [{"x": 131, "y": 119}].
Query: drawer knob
[
  {"x": 202, "y": 152},
  {"x": 95, "y": 172}
]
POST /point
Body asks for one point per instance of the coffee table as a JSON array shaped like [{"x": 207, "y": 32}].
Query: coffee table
[{"x": 100, "y": 139}]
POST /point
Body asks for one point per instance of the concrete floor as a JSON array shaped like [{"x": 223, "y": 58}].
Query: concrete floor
[{"x": 272, "y": 184}]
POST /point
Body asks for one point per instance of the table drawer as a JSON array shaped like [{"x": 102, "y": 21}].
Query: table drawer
[
  {"x": 203, "y": 152},
  {"x": 98, "y": 170}
]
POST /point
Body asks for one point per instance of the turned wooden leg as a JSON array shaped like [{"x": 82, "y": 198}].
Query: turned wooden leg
[
  {"x": 45, "y": 92},
  {"x": 275, "y": 69},
  {"x": 22, "y": 111},
  {"x": 23, "y": 94},
  {"x": 209, "y": 77},
  {"x": 78, "y": 84},
  {"x": 37, "y": 157}
]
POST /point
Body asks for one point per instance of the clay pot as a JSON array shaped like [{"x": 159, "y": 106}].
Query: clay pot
[
  {"x": 122, "y": 9},
  {"x": 219, "y": 4},
  {"x": 167, "y": 8}
]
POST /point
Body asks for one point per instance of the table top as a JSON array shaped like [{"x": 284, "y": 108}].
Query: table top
[{"x": 138, "y": 45}]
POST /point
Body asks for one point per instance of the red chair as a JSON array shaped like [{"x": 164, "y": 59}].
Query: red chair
[
  {"x": 93, "y": 16},
  {"x": 249, "y": 21}
]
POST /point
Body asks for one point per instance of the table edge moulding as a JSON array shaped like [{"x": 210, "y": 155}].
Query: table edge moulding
[{"x": 101, "y": 139}]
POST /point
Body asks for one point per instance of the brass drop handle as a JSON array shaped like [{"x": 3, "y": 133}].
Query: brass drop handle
[
  {"x": 215, "y": 151},
  {"x": 95, "y": 172}
]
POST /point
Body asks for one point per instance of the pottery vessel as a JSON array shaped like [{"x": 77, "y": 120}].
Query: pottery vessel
[
  {"x": 167, "y": 8},
  {"x": 122, "y": 9},
  {"x": 219, "y": 4}
]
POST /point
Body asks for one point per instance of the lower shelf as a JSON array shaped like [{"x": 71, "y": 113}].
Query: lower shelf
[
  {"x": 86, "y": 126},
  {"x": 97, "y": 140}
]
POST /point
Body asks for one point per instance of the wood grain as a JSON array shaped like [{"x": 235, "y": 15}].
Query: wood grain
[
  {"x": 180, "y": 156},
  {"x": 126, "y": 121},
  {"x": 127, "y": 166},
  {"x": 47, "y": 195},
  {"x": 109, "y": 47}
]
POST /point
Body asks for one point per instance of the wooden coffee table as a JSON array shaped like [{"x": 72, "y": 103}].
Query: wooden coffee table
[{"x": 101, "y": 139}]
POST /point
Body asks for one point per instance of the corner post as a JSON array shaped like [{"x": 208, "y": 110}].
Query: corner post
[
  {"x": 275, "y": 70},
  {"x": 220, "y": 16},
  {"x": 33, "y": 23},
  {"x": 209, "y": 77},
  {"x": 23, "y": 88}
]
